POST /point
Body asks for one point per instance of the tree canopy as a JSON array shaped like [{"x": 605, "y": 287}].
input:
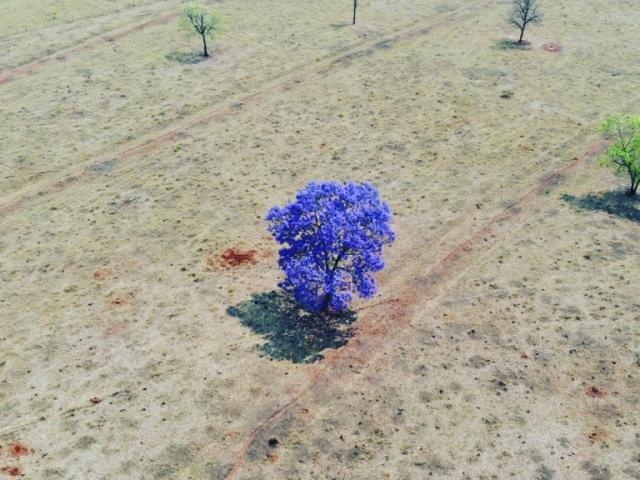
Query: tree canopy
[
  {"x": 201, "y": 19},
  {"x": 524, "y": 12},
  {"x": 334, "y": 235},
  {"x": 623, "y": 155}
]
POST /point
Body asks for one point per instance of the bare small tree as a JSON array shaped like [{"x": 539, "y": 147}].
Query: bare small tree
[
  {"x": 355, "y": 6},
  {"x": 203, "y": 20},
  {"x": 523, "y": 13}
]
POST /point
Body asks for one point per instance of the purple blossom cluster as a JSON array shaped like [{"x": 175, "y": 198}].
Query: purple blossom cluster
[{"x": 333, "y": 234}]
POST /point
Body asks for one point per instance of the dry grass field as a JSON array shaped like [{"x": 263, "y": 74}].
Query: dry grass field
[{"x": 141, "y": 334}]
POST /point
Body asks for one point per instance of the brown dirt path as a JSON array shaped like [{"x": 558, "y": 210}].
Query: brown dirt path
[
  {"x": 372, "y": 336},
  {"x": 285, "y": 82}
]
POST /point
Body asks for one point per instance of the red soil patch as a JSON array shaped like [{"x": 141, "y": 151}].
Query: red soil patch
[
  {"x": 119, "y": 301},
  {"x": 12, "y": 471},
  {"x": 598, "y": 436},
  {"x": 95, "y": 400},
  {"x": 234, "y": 257},
  {"x": 596, "y": 392},
  {"x": 272, "y": 457},
  {"x": 552, "y": 47},
  {"x": 115, "y": 329},
  {"x": 102, "y": 274},
  {"x": 19, "y": 450},
  {"x": 304, "y": 414}
]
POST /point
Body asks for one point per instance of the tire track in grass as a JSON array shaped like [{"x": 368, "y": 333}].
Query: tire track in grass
[
  {"x": 286, "y": 81},
  {"x": 370, "y": 337},
  {"x": 69, "y": 23},
  {"x": 88, "y": 44},
  {"x": 373, "y": 333}
]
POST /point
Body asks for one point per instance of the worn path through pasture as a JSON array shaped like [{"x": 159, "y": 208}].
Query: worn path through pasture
[
  {"x": 288, "y": 80},
  {"x": 372, "y": 336},
  {"x": 89, "y": 44}
]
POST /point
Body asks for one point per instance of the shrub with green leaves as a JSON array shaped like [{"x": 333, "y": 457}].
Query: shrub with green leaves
[
  {"x": 202, "y": 20},
  {"x": 623, "y": 155}
]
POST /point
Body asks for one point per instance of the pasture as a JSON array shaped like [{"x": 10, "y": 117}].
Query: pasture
[{"x": 142, "y": 335}]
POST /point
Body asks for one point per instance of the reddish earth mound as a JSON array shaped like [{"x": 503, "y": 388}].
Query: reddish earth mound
[
  {"x": 596, "y": 392},
  {"x": 552, "y": 47},
  {"x": 598, "y": 436},
  {"x": 102, "y": 273},
  {"x": 19, "y": 450},
  {"x": 118, "y": 301},
  {"x": 234, "y": 257},
  {"x": 13, "y": 471}
]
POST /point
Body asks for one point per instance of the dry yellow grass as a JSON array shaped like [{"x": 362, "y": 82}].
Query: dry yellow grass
[{"x": 508, "y": 297}]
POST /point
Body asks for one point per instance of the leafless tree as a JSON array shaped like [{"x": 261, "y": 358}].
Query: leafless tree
[{"x": 523, "y": 13}]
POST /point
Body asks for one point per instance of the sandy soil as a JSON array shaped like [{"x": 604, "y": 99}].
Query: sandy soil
[{"x": 141, "y": 337}]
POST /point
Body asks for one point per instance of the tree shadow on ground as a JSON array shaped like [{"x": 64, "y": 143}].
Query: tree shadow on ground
[
  {"x": 188, "y": 58},
  {"x": 616, "y": 203},
  {"x": 510, "y": 44},
  {"x": 292, "y": 333}
]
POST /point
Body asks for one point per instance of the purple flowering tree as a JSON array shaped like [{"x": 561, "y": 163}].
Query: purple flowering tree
[{"x": 333, "y": 234}]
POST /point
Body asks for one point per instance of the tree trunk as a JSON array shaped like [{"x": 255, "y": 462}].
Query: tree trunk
[
  {"x": 204, "y": 42},
  {"x": 521, "y": 34},
  {"x": 326, "y": 303},
  {"x": 355, "y": 5}
]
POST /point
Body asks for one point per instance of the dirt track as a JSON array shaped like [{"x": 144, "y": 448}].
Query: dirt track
[
  {"x": 62, "y": 55},
  {"x": 370, "y": 339},
  {"x": 125, "y": 362},
  {"x": 287, "y": 81}
]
